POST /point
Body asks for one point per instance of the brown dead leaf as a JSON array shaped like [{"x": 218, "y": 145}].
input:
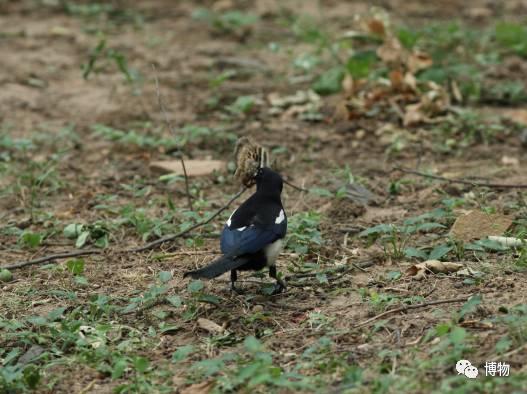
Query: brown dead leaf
[
  {"x": 418, "y": 61},
  {"x": 432, "y": 103},
  {"x": 413, "y": 114},
  {"x": 210, "y": 326},
  {"x": 295, "y": 110},
  {"x": 510, "y": 161},
  {"x": 199, "y": 388},
  {"x": 517, "y": 115},
  {"x": 193, "y": 167},
  {"x": 477, "y": 225},
  {"x": 410, "y": 82},
  {"x": 482, "y": 325},
  {"x": 347, "y": 85},
  {"x": 223, "y": 5},
  {"x": 392, "y": 53},
  {"x": 376, "y": 27},
  {"x": 419, "y": 271},
  {"x": 456, "y": 92},
  {"x": 397, "y": 79},
  {"x": 341, "y": 113},
  {"x": 267, "y": 7}
]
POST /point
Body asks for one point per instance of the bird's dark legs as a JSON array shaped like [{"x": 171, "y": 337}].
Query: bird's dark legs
[
  {"x": 234, "y": 278},
  {"x": 280, "y": 285}
]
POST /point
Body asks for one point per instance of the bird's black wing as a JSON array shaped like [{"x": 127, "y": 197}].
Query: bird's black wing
[
  {"x": 254, "y": 225},
  {"x": 250, "y": 239},
  {"x": 256, "y": 210}
]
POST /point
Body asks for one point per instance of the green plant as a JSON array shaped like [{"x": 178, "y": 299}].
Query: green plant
[
  {"x": 35, "y": 180},
  {"x": 303, "y": 232},
  {"x": 10, "y": 146},
  {"x": 225, "y": 22},
  {"x": 30, "y": 240},
  {"x": 515, "y": 320},
  {"x": 102, "y": 54},
  {"x": 98, "y": 233},
  {"x": 241, "y": 106},
  {"x": 512, "y": 36},
  {"x": 150, "y": 137},
  {"x": 394, "y": 238},
  {"x": 253, "y": 368}
]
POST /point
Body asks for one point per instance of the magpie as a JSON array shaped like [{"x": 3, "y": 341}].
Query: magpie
[{"x": 252, "y": 237}]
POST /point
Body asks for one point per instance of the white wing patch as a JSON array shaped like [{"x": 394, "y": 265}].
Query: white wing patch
[
  {"x": 280, "y": 218},
  {"x": 241, "y": 228},
  {"x": 229, "y": 219}
]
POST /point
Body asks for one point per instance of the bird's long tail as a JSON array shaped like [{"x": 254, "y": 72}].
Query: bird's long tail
[{"x": 217, "y": 267}]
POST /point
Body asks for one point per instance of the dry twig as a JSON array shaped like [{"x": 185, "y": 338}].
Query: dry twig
[
  {"x": 148, "y": 246},
  {"x": 170, "y": 237},
  {"x": 461, "y": 181},
  {"x": 300, "y": 189},
  {"x": 56, "y": 256},
  {"x": 407, "y": 307}
]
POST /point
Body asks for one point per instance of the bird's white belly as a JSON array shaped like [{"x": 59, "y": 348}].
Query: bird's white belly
[{"x": 272, "y": 251}]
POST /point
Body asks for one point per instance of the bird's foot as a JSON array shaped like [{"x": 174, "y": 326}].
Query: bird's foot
[
  {"x": 236, "y": 289},
  {"x": 279, "y": 287}
]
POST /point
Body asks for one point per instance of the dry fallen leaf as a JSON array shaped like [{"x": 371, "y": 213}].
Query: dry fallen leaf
[
  {"x": 347, "y": 85},
  {"x": 376, "y": 27},
  {"x": 481, "y": 325},
  {"x": 300, "y": 97},
  {"x": 341, "y": 113},
  {"x": 508, "y": 241},
  {"x": 510, "y": 161},
  {"x": 418, "y": 61},
  {"x": 517, "y": 115},
  {"x": 392, "y": 53},
  {"x": 413, "y": 114},
  {"x": 456, "y": 92},
  {"x": 419, "y": 271},
  {"x": 477, "y": 225},
  {"x": 193, "y": 167},
  {"x": 210, "y": 326},
  {"x": 397, "y": 79},
  {"x": 199, "y": 388},
  {"x": 410, "y": 81},
  {"x": 222, "y": 5},
  {"x": 432, "y": 103}
]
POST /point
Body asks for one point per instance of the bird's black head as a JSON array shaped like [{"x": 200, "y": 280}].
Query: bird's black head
[{"x": 268, "y": 181}]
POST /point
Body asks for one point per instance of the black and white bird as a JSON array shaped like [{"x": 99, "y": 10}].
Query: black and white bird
[{"x": 253, "y": 235}]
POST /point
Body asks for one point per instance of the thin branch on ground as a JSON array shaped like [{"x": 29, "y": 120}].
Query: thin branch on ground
[
  {"x": 460, "y": 181},
  {"x": 173, "y": 131},
  {"x": 301, "y": 189},
  {"x": 171, "y": 237},
  {"x": 56, "y": 256},
  {"x": 407, "y": 307},
  {"x": 148, "y": 246},
  {"x": 359, "y": 267}
]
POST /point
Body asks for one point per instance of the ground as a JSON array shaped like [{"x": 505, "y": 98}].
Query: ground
[{"x": 93, "y": 93}]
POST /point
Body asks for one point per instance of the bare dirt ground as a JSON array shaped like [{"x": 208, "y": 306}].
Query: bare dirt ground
[{"x": 69, "y": 173}]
